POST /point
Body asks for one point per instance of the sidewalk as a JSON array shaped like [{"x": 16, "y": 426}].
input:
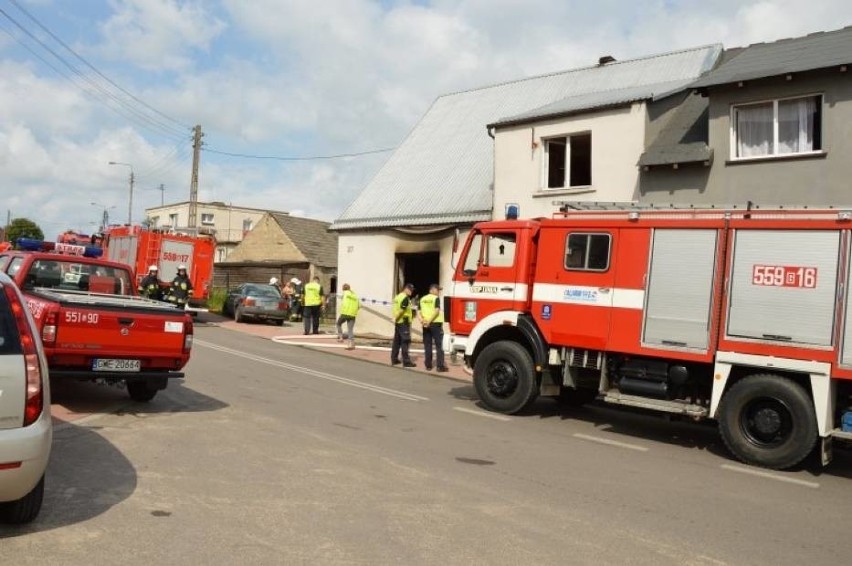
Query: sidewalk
[{"x": 371, "y": 349}]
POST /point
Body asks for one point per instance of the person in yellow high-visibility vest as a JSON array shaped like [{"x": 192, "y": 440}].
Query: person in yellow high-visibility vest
[
  {"x": 313, "y": 302},
  {"x": 432, "y": 319},
  {"x": 349, "y": 305},
  {"x": 402, "y": 315}
]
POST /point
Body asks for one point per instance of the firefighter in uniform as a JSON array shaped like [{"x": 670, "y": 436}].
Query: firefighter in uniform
[
  {"x": 432, "y": 319},
  {"x": 181, "y": 288},
  {"x": 402, "y": 315},
  {"x": 349, "y": 305},
  {"x": 313, "y": 303},
  {"x": 149, "y": 287}
]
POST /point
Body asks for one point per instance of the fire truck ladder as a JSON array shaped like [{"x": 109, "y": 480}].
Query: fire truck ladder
[{"x": 152, "y": 251}]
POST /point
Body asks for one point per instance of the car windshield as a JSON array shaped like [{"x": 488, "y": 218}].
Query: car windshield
[
  {"x": 70, "y": 275},
  {"x": 262, "y": 291}
]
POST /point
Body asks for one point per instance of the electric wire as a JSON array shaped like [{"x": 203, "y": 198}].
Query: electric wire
[
  {"x": 305, "y": 158},
  {"x": 93, "y": 68}
]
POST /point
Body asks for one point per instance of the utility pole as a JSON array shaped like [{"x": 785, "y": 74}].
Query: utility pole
[
  {"x": 193, "y": 185},
  {"x": 162, "y": 189}
]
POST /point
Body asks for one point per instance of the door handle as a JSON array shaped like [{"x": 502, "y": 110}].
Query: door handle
[
  {"x": 507, "y": 288},
  {"x": 603, "y": 289}
]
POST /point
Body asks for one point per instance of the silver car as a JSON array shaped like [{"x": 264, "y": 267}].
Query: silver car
[
  {"x": 256, "y": 301},
  {"x": 25, "y": 424}
]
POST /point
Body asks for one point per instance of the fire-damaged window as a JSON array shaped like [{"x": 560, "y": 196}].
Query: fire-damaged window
[
  {"x": 587, "y": 252},
  {"x": 568, "y": 161}
]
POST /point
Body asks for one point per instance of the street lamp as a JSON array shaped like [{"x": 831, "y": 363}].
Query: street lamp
[
  {"x": 105, "y": 220},
  {"x": 130, "y": 202}
]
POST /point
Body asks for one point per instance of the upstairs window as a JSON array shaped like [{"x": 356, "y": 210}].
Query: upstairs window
[
  {"x": 247, "y": 225},
  {"x": 778, "y": 127},
  {"x": 568, "y": 162},
  {"x": 207, "y": 218},
  {"x": 173, "y": 220}
]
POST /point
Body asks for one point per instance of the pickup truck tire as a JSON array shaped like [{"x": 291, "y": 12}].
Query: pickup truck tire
[
  {"x": 25, "y": 509},
  {"x": 768, "y": 420},
  {"x": 504, "y": 377},
  {"x": 140, "y": 391}
]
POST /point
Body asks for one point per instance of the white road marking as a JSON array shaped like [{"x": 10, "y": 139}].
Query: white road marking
[
  {"x": 494, "y": 416},
  {"x": 771, "y": 476},
  {"x": 314, "y": 373},
  {"x": 609, "y": 442}
]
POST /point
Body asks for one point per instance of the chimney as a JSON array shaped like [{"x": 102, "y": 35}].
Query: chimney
[{"x": 605, "y": 59}]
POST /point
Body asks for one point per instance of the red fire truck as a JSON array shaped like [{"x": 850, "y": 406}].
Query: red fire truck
[
  {"x": 737, "y": 315},
  {"x": 141, "y": 247}
]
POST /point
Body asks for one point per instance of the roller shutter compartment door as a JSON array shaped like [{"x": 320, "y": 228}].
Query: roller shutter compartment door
[
  {"x": 846, "y": 356},
  {"x": 783, "y": 285},
  {"x": 680, "y": 288}
]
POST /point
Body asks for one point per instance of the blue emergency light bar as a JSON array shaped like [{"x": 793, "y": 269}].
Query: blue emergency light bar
[{"x": 33, "y": 245}]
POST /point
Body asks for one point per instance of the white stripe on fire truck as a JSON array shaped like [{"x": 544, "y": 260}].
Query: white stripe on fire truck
[{"x": 593, "y": 296}]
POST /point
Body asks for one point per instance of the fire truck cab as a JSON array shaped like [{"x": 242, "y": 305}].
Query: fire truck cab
[{"x": 737, "y": 315}]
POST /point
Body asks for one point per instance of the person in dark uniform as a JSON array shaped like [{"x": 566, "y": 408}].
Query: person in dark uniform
[
  {"x": 181, "y": 289},
  {"x": 402, "y": 315},
  {"x": 432, "y": 319},
  {"x": 149, "y": 287}
]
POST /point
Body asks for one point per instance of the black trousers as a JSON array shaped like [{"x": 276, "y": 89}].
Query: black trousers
[
  {"x": 311, "y": 316},
  {"x": 434, "y": 333},
  {"x": 401, "y": 341}
]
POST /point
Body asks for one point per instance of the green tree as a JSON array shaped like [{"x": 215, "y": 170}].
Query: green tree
[{"x": 23, "y": 228}]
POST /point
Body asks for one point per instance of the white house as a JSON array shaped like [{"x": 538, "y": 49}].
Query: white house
[{"x": 573, "y": 135}]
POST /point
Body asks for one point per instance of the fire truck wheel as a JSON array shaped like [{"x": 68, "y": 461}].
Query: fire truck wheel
[
  {"x": 504, "y": 377},
  {"x": 768, "y": 420},
  {"x": 140, "y": 391}
]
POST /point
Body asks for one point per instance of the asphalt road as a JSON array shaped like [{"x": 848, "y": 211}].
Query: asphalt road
[{"x": 274, "y": 454}]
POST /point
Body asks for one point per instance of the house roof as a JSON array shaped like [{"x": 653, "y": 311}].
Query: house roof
[
  {"x": 684, "y": 138},
  {"x": 443, "y": 172},
  {"x": 815, "y": 51},
  {"x": 311, "y": 237}
]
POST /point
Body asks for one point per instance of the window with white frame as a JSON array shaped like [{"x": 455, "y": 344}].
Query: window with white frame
[
  {"x": 173, "y": 220},
  {"x": 779, "y": 127},
  {"x": 206, "y": 218},
  {"x": 567, "y": 161},
  {"x": 247, "y": 224},
  {"x": 155, "y": 221}
]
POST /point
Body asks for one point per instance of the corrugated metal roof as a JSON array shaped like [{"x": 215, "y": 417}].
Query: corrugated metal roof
[
  {"x": 815, "y": 51},
  {"x": 443, "y": 171}
]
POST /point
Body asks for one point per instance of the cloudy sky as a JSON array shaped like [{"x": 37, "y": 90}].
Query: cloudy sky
[{"x": 86, "y": 82}]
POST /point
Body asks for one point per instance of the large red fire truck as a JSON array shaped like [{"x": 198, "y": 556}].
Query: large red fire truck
[
  {"x": 141, "y": 247},
  {"x": 738, "y": 315}
]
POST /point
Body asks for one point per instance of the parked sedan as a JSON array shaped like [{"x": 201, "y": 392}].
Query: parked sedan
[
  {"x": 256, "y": 301},
  {"x": 25, "y": 425}
]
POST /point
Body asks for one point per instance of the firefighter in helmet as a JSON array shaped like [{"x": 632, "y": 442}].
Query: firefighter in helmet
[
  {"x": 149, "y": 287},
  {"x": 181, "y": 289}
]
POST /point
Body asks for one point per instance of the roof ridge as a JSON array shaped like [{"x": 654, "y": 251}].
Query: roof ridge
[
  {"x": 585, "y": 68},
  {"x": 796, "y": 38}
]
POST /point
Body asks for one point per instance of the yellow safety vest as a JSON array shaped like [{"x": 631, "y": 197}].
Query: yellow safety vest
[
  {"x": 349, "y": 305},
  {"x": 428, "y": 305},
  {"x": 397, "y": 308},
  {"x": 313, "y": 296}
]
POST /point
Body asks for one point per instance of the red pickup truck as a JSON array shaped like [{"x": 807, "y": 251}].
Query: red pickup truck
[{"x": 93, "y": 325}]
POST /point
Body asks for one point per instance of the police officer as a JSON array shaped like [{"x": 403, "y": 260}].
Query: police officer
[
  {"x": 432, "y": 319},
  {"x": 313, "y": 302},
  {"x": 149, "y": 287},
  {"x": 181, "y": 288},
  {"x": 402, "y": 315}
]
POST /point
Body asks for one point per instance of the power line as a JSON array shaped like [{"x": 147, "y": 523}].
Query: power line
[
  {"x": 307, "y": 158},
  {"x": 92, "y": 67}
]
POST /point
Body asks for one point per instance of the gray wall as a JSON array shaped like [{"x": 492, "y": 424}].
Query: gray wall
[{"x": 806, "y": 180}]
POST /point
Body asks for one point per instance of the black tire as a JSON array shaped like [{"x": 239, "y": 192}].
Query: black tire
[
  {"x": 279, "y": 322},
  {"x": 504, "y": 377},
  {"x": 25, "y": 509},
  {"x": 769, "y": 421},
  {"x": 140, "y": 391},
  {"x": 576, "y": 397}
]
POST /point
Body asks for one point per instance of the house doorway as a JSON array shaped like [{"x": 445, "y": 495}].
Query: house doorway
[{"x": 421, "y": 269}]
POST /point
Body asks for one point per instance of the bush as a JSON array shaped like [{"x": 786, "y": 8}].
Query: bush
[{"x": 216, "y": 299}]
